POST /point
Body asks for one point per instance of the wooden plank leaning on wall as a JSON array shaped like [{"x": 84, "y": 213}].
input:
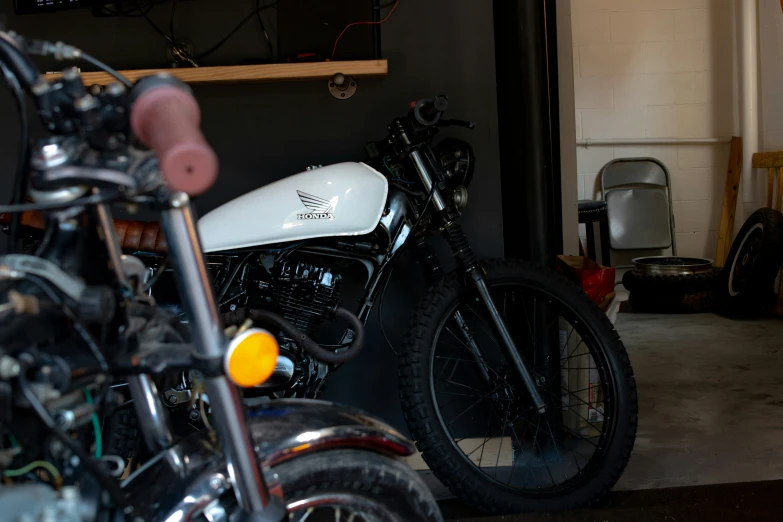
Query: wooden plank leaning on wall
[
  {"x": 730, "y": 195},
  {"x": 773, "y": 162}
]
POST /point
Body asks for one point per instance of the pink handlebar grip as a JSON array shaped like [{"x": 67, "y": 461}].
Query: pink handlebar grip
[{"x": 166, "y": 119}]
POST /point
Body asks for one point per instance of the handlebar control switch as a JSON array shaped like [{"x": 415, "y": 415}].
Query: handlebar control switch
[{"x": 342, "y": 87}]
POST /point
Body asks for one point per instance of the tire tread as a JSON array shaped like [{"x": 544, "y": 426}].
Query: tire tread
[{"x": 384, "y": 479}]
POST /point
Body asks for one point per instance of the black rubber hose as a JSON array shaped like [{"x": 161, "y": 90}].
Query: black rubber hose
[
  {"x": 97, "y": 63},
  {"x": 20, "y": 177},
  {"x": 300, "y": 338},
  {"x": 358, "y": 332},
  {"x": 19, "y": 63}
]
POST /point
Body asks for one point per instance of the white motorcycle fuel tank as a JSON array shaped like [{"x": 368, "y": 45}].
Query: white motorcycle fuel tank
[{"x": 345, "y": 199}]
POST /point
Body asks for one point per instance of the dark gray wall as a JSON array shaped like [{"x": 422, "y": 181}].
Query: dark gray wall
[{"x": 263, "y": 132}]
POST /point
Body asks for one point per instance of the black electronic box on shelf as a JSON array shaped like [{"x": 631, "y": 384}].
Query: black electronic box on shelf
[
  {"x": 42, "y": 6},
  {"x": 308, "y": 29}
]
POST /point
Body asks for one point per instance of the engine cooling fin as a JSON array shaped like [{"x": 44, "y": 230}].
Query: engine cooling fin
[{"x": 305, "y": 294}]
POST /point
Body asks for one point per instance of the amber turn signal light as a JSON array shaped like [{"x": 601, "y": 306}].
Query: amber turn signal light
[{"x": 251, "y": 357}]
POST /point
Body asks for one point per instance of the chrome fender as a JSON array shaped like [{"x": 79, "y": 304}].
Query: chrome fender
[
  {"x": 187, "y": 480},
  {"x": 287, "y": 428}
]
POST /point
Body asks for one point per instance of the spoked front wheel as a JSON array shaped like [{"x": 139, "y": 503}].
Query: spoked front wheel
[
  {"x": 471, "y": 415},
  {"x": 354, "y": 486}
]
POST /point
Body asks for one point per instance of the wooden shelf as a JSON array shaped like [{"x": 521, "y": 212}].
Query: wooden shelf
[{"x": 275, "y": 72}]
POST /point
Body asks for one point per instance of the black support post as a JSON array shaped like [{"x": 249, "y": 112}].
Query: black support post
[{"x": 528, "y": 117}]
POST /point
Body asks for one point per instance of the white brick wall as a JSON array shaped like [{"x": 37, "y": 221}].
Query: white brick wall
[
  {"x": 771, "y": 56},
  {"x": 661, "y": 69}
]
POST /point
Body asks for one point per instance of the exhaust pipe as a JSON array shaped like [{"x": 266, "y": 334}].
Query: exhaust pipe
[{"x": 300, "y": 338}]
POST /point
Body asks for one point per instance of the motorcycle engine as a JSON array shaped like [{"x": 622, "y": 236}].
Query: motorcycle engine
[{"x": 305, "y": 294}]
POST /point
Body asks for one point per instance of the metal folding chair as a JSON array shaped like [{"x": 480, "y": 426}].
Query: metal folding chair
[{"x": 638, "y": 197}]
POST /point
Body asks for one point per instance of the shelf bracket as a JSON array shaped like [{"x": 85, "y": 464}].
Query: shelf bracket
[{"x": 342, "y": 87}]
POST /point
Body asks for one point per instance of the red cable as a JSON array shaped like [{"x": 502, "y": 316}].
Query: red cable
[{"x": 334, "y": 50}]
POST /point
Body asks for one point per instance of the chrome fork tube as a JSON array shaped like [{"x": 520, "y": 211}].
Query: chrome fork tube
[
  {"x": 424, "y": 175},
  {"x": 201, "y": 311},
  {"x": 426, "y": 180},
  {"x": 470, "y": 343}
]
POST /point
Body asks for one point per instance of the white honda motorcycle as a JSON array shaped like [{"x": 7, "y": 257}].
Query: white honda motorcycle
[{"x": 515, "y": 386}]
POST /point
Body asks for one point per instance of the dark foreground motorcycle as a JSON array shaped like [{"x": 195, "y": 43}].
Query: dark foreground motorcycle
[{"x": 75, "y": 319}]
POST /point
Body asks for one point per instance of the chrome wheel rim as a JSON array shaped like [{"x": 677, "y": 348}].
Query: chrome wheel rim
[
  {"x": 671, "y": 265},
  {"x": 338, "y": 507}
]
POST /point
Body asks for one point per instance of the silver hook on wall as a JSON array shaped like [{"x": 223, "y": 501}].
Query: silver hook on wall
[{"x": 342, "y": 87}]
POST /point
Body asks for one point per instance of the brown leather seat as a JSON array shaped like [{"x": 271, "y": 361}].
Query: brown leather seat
[
  {"x": 141, "y": 235},
  {"x": 132, "y": 235},
  {"x": 28, "y": 219}
]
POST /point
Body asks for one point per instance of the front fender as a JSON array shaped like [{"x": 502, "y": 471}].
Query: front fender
[
  {"x": 287, "y": 428},
  {"x": 181, "y": 482}
]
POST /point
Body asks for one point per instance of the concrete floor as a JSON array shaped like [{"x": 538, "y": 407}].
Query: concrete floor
[
  {"x": 736, "y": 502},
  {"x": 710, "y": 399}
]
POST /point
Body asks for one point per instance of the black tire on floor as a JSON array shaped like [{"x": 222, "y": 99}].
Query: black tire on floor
[
  {"x": 672, "y": 294},
  {"x": 671, "y": 284},
  {"x": 434, "y": 441},
  {"x": 752, "y": 264},
  {"x": 657, "y": 303},
  {"x": 384, "y": 481}
]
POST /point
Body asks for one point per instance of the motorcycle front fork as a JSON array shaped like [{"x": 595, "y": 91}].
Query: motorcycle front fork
[
  {"x": 195, "y": 288},
  {"x": 511, "y": 351},
  {"x": 463, "y": 254}
]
